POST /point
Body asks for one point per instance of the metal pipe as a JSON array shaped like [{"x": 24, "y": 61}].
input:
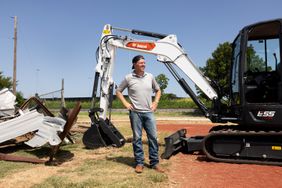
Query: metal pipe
[{"x": 122, "y": 29}]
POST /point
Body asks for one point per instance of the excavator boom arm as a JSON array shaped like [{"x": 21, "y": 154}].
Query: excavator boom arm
[{"x": 166, "y": 49}]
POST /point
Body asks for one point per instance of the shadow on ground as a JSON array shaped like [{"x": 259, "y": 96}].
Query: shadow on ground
[{"x": 44, "y": 152}]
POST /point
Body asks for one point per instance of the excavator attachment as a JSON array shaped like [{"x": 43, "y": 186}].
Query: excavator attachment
[
  {"x": 178, "y": 142},
  {"x": 102, "y": 133},
  {"x": 174, "y": 144}
]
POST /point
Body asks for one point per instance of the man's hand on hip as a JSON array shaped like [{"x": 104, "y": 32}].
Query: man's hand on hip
[
  {"x": 154, "y": 106},
  {"x": 128, "y": 106}
]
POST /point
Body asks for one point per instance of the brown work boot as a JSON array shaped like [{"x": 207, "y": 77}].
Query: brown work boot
[
  {"x": 158, "y": 169},
  {"x": 139, "y": 169}
]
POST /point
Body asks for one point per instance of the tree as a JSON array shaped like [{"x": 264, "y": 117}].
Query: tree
[
  {"x": 254, "y": 62},
  {"x": 6, "y": 82},
  {"x": 162, "y": 80},
  {"x": 217, "y": 69}
]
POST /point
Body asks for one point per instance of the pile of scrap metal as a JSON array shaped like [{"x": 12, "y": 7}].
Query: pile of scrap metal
[{"x": 35, "y": 123}]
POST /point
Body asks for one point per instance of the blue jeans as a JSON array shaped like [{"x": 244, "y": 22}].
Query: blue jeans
[{"x": 146, "y": 120}]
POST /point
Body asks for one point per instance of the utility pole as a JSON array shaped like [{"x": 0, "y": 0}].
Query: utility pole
[
  {"x": 15, "y": 56},
  {"x": 63, "y": 103}
]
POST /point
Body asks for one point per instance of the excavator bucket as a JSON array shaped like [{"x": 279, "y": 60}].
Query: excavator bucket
[
  {"x": 101, "y": 134},
  {"x": 92, "y": 138}
]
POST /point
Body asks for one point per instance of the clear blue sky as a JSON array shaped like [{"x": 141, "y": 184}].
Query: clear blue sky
[{"x": 58, "y": 38}]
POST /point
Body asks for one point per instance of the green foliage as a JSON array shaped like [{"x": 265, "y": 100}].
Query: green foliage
[
  {"x": 178, "y": 103},
  {"x": 20, "y": 98},
  {"x": 168, "y": 96},
  {"x": 218, "y": 67},
  {"x": 5, "y": 82},
  {"x": 254, "y": 62},
  {"x": 167, "y": 101},
  {"x": 162, "y": 80}
]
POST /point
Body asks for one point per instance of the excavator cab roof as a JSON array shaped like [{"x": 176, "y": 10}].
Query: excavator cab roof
[{"x": 266, "y": 29}]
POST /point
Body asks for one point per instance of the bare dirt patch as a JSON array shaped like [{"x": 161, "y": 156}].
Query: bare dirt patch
[{"x": 196, "y": 171}]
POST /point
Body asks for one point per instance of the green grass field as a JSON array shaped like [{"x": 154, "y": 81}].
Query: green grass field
[{"x": 179, "y": 103}]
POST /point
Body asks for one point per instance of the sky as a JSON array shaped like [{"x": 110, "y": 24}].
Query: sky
[{"x": 57, "y": 39}]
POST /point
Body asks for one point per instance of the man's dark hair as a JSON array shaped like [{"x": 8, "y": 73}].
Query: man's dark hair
[{"x": 136, "y": 59}]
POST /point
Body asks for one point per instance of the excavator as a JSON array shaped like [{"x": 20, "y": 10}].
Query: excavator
[{"x": 250, "y": 119}]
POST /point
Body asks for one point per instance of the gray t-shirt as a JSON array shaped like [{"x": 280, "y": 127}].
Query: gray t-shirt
[{"x": 140, "y": 90}]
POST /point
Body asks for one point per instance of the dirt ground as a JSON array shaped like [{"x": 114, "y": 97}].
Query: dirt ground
[{"x": 196, "y": 171}]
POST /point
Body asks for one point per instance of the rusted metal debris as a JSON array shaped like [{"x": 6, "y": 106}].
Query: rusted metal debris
[
  {"x": 6, "y": 157},
  {"x": 40, "y": 124},
  {"x": 72, "y": 117}
]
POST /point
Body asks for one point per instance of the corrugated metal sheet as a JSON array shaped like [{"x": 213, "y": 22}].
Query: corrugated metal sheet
[{"x": 47, "y": 128}]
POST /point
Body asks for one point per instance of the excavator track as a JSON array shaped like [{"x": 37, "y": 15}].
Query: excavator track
[{"x": 242, "y": 145}]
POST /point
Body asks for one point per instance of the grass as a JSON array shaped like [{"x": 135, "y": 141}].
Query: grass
[
  {"x": 158, "y": 113},
  {"x": 8, "y": 168},
  {"x": 178, "y": 103},
  {"x": 80, "y": 167},
  {"x": 109, "y": 167}
]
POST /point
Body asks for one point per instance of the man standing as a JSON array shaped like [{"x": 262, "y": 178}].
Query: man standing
[{"x": 140, "y": 85}]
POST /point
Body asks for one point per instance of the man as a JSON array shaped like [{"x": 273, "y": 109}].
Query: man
[{"x": 140, "y": 85}]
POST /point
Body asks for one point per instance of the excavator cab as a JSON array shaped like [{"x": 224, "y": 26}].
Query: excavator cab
[{"x": 256, "y": 75}]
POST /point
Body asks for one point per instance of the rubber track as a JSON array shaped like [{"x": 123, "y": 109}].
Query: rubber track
[{"x": 236, "y": 131}]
